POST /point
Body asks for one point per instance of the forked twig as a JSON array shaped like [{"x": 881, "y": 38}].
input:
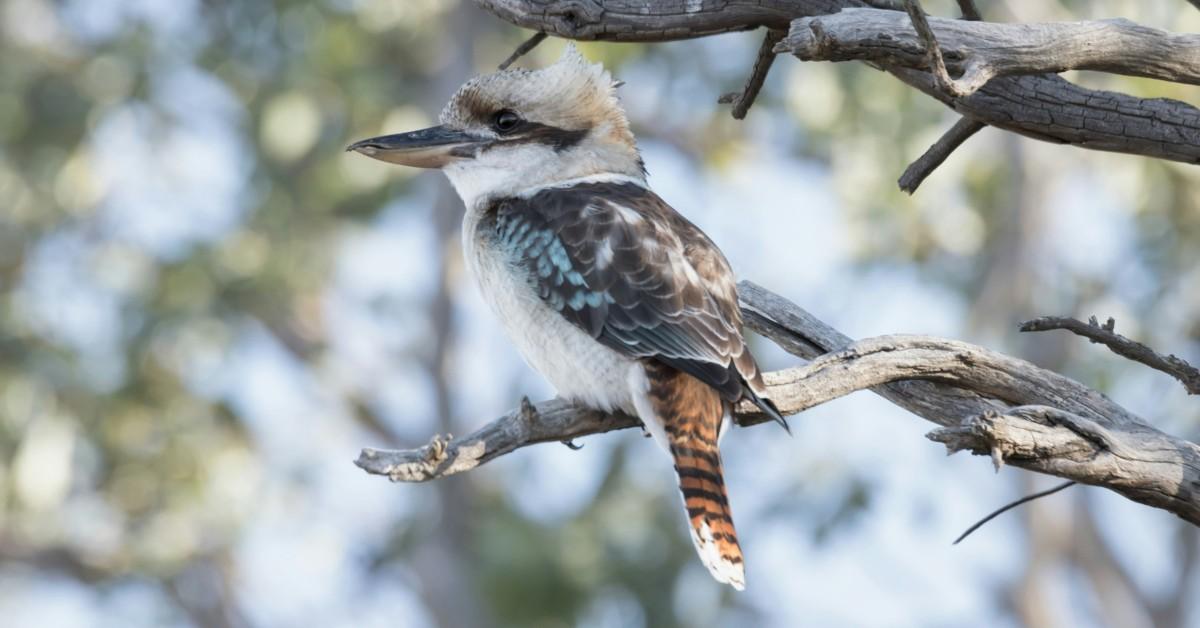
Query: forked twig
[
  {"x": 933, "y": 52},
  {"x": 1176, "y": 367}
]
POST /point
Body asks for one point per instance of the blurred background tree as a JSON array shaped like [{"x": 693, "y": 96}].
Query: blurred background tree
[{"x": 206, "y": 308}]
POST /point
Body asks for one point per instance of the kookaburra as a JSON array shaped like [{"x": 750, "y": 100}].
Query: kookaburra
[{"x": 615, "y": 298}]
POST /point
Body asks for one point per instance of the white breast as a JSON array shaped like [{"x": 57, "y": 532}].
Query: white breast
[{"x": 577, "y": 365}]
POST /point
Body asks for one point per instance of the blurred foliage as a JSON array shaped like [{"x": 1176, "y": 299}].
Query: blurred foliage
[{"x": 172, "y": 179}]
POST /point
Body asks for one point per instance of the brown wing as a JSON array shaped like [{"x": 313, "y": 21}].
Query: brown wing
[
  {"x": 608, "y": 258},
  {"x": 719, "y": 280}
]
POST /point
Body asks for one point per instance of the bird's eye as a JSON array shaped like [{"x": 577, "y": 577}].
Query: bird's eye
[{"x": 505, "y": 120}]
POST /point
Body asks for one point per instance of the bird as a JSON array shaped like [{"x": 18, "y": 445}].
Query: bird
[{"x": 620, "y": 302}]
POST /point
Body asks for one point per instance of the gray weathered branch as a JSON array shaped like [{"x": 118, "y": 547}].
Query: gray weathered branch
[
  {"x": 981, "y": 399},
  {"x": 1142, "y": 464},
  {"x": 1172, "y": 365},
  {"x": 743, "y": 100},
  {"x": 664, "y": 20},
  {"x": 915, "y": 173},
  {"x": 1040, "y": 106},
  {"x": 929, "y": 49},
  {"x": 980, "y": 51}
]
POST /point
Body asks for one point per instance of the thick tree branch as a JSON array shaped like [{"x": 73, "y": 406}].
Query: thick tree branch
[
  {"x": 979, "y": 396},
  {"x": 980, "y": 51},
  {"x": 1176, "y": 367},
  {"x": 1051, "y": 109},
  {"x": 665, "y": 20},
  {"x": 1040, "y": 106},
  {"x": 1139, "y": 462}
]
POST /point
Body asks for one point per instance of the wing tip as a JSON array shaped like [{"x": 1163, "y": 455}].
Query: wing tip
[{"x": 767, "y": 406}]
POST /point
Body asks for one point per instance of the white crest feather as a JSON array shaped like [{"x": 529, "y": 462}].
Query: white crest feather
[{"x": 573, "y": 94}]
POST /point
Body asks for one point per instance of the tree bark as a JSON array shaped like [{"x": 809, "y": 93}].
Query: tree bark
[
  {"x": 980, "y": 51},
  {"x": 1041, "y": 106},
  {"x": 986, "y": 403}
]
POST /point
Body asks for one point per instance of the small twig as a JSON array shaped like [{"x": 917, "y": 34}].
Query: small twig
[
  {"x": 1176, "y": 367},
  {"x": 523, "y": 49},
  {"x": 971, "y": 12},
  {"x": 762, "y": 64},
  {"x": 1010, "y": 506},
  {"x": 933, "y": 52},
  {"x": 919, "y": 170},
  {"x": 933, "y": 157}
]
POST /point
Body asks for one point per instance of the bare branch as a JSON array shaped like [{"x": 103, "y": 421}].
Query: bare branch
[
  {"x": 669, "y": 20},
  {"x": 557, "y": 421},
  {"x": 762, "y": 64},
  {"x": 523, "y": 49},
  {"x": 1176, "y": 367},
  {"x": 1043, "y": 107},
  {"x": 980, "y": 51},
  {"x": 1051, "y": 109},
  {"x": 1073, "y": 431},
  {"x": 918, "y": 170},
  {"x": 933, "y": 53},
  {"x": 969, "y": 10},
  {"x": 1088, "y": 450}
]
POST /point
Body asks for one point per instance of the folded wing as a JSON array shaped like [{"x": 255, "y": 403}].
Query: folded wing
[{"x": 618, "y": 262}]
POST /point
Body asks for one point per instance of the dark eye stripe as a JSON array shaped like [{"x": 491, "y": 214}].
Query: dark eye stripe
[{"x": 535, "y": 132}]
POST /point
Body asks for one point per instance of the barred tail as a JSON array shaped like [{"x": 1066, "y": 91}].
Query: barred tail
[
  {"x": 690, "y": 413},
  {"x": 703, "y": 488}
]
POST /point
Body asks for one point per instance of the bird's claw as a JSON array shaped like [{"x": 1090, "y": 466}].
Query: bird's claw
[{"x": 572, "y": 445}]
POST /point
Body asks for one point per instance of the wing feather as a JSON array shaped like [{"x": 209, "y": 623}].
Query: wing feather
[{"x": 618, "y": 262}]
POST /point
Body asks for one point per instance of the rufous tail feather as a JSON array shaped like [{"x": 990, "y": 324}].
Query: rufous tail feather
[{"x": 691, "y": 414}]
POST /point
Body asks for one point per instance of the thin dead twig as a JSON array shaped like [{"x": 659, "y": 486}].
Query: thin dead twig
[
  {"x": 933, "y": 157},
  {"x": 1176, "y": 367},
  {"x": 762, "y": 65},
  {"x": 523, "y": 49},
  {"x": 919, "y": 170},
  {"x": 1009, "y": 506}
]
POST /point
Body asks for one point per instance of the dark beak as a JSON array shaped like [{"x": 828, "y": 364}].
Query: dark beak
[{"x": 428, "y": 148}]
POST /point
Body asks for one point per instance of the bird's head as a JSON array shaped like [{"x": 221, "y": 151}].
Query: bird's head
[{"x": 516, "y": 130}]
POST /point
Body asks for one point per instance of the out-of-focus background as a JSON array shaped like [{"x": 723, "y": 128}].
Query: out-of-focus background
[{"x": 207, "y": 308}]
